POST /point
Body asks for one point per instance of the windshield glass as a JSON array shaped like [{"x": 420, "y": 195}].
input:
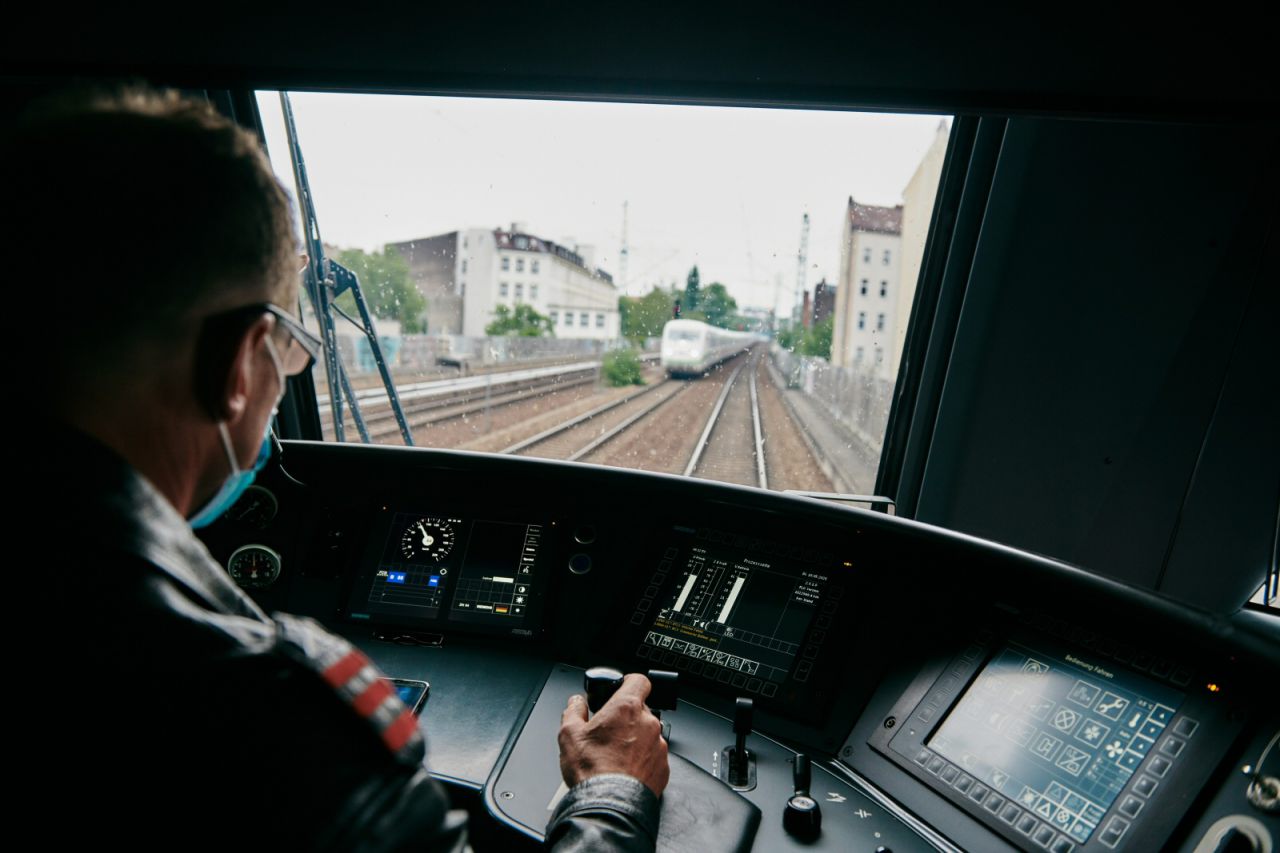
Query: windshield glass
[{"x": 710, "y": 291}]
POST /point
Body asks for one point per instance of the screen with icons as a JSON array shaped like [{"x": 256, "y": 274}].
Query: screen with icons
[{"x": 1061, "y": 735}]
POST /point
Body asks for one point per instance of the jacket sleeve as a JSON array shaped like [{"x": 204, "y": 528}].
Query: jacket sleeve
[{"x": 607, "y": 812}]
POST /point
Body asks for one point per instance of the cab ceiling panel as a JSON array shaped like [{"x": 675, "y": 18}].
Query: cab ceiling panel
[{"x": 939, "y": 57}]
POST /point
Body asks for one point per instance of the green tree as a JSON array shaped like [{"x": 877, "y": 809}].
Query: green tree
[
  {"x": 817, "y": 339},
  {"x": 814, "y": 341},
  {"x": 645, "y": 316},
  {"x": 622, "y": 367},
  {"x": 692, "y": 292},
  {"x": 523, "y": 322},
  {"x": 384, "y": 280},
  {"x": 718, "y": 307}
]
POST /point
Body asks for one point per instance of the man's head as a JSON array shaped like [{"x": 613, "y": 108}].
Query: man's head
[{"x": 144, "y": 226}]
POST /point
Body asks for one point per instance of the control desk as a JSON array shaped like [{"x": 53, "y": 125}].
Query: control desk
[{"x": 830, "y": 678}]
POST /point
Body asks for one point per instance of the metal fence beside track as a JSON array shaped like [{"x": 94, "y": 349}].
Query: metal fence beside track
[{"x": 857, "y": 401}]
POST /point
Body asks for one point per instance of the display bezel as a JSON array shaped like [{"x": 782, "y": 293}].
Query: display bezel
[
  {"x": 533, "y": 622},
  {"x": 808, "y": 701},
  {"x": 937, "y": 691}
]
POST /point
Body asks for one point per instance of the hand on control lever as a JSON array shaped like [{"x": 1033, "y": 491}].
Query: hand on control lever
[{"x": 622, "y": 737}]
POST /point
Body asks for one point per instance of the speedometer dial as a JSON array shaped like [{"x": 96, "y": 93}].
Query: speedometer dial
[{"x": 427, "y": 540}]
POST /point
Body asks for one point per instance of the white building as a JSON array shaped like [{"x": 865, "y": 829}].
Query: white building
[
  {"x": 466, "y": 275},
  {"x": 918, "y": 200},
  {"x": 864, "y": 336}
]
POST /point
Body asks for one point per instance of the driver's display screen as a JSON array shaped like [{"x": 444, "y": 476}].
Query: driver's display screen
[
  {"x": 1060, "y": 734},
  {"x": 433, "y": 567}
]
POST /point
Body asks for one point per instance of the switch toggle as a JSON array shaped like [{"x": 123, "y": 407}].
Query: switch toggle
[
  {"x": 663, "y": 695},
  {"x": 803, "y": 816},
  {"x": 737, "y": 763}
]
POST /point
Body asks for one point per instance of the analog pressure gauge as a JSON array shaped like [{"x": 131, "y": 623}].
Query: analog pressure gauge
[
  {"x": 256, "y": 508},
  {"x": 254, "y": 566}
]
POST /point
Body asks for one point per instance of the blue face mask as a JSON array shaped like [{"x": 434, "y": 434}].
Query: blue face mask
[
  {"x": 238, "y": 480},
  {"x": 235, "y": 484}
]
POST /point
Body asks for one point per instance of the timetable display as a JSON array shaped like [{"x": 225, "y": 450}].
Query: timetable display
[{"x": 1059, "y": 735}]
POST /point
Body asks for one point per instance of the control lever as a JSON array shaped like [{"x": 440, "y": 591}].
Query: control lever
[
  {"x": 803, "y": 816},
  {"x": 600, "y": 683},
  {"x": 663, "y": 696},
  {"x": 737, "y": 763}
]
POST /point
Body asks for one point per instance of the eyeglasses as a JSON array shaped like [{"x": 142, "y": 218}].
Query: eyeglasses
[{"x": 303, "y": 347}]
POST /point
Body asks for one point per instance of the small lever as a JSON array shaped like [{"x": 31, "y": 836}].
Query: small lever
[
  {"x": 663, "y": 691},
  {"x": 803, "y": 816},
  {"x": 663, "y": 695},
  {"x": 740, "y": 758},
  {"x": 600, "y": 682}
]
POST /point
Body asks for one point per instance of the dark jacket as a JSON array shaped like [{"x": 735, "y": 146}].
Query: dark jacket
[{"x": 176, "y": 712}]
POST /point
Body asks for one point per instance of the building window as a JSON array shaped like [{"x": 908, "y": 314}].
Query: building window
[
  {"x": 519, "y": 264},
  {"x": 583, "y": 319},
  {"x": 502, "y": 289},
  {"x": 879, "y": 355},
  {"x": 884, "y": 288},
  {"x": 886, "y": 257},
  {"x": 862, "y": 319},
  {"x": 464, "y": 264},
  {"x": 533, "y": 266},
  {"x": 506, "y": 264},
  {"x": 568, "y": 318},
  {"x": 555, "y": 317},
  {"x": 533, "y": 290},
  {"x": 857, "y": 355},
  {"x": 599, "y": 321},
  {"x": 519, "y": 290},
  {"x": 879, "y": 322},
  {"x": 866, "y": 255},
  {"x": 862, "y": 288}
]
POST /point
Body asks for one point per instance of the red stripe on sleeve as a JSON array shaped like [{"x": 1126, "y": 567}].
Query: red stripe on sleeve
[
  {"x": 400, "y": 731},
  {"x": 372, "y": 698},
  {"x": 346, "y": 668}
]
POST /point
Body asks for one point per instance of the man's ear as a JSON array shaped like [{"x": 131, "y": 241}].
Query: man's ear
[{"x": 224, "y": 369}]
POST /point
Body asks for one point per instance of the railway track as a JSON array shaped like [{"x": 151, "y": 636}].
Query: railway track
[
  {"x": 577, "y": 437},
  {"x": 731, "y": 446},
  {"x": 427, "y": 404},
  {"x": 715, "y": 431}
]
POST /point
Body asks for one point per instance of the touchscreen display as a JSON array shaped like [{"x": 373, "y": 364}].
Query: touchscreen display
[
  {"x": 746, "y": 614},
  {"x": 1060, "y": 734}
]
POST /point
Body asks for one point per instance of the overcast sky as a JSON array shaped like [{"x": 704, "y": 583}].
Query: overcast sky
[{"x": 723, "y": 188}]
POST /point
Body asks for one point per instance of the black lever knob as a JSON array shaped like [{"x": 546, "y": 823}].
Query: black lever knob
[
  {"x": 663, "y": 692},
  {"x": 600, "y": 682},
  {"x": 803, "y": 817}
]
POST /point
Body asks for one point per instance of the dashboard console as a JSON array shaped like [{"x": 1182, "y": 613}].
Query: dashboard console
[{"x": 952, "y": 693}]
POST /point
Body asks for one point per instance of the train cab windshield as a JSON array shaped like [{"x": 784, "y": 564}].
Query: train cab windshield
[{"x": 583, "y": 281}]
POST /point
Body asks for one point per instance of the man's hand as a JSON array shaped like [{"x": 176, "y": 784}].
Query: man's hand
[{"x": 623, "y": 737}]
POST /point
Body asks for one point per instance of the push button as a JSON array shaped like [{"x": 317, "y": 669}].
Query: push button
[
  {"x": 1131, "y": 806},
  {"x": 1185, "y": 727},
  {"x": 1114, "y": 832},
  {"x": 1145, "y": 786},
  {"x": 1159, "y": 766},
  {"x": 1172, "y": 747}
]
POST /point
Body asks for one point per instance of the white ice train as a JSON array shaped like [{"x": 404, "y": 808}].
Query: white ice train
[{"x": 691, "y": 347}]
